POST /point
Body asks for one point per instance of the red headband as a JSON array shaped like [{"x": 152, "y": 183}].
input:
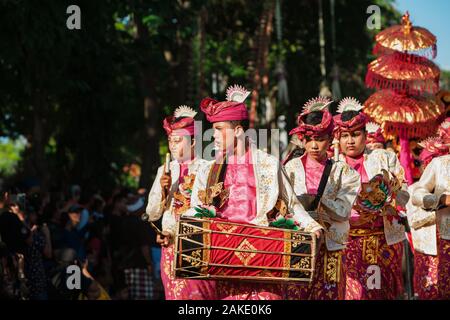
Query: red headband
[
  {"x": 216, "y": 111},
  {"x": 444, "y": 130},
  {"x": 182, "y": 127},
  {"x": 433, "y": 147},
  {"x": 326, "y": 126},
  {"x": 375, "y": 137},
  {"x": 356, "y": 123}
]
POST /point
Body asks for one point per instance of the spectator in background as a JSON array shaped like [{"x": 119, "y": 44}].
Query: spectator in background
[
  {"x": 74, "y": 201},
  {"x": 96, "y": 208},
  {"x": 137, "y": 261},
  {"x": 118, "y": 210},
  {"x": 98, "y": 255},
  {"x": 72, "y": 237},
  {"x": 13, "y": 230},
  {"x": 39, "y": 246},
  {"x": 52, "y": 216},
  {"x": 90, "y": 288}
]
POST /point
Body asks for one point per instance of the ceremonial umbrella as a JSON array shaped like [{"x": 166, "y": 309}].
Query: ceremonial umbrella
[
  {"x": 406, "y": 38},
  {"x": 403, "y": 75},
  {"x": 403, "y": 115}
]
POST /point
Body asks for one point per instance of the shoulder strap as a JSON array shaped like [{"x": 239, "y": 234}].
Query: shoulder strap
[
  {"x": 322, "y": 184},
  {"x": 216, "y": 175}
]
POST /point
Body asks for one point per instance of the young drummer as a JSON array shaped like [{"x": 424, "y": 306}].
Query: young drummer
[
  {"x": 327, "y": 188},
  {"x": 170, "y": 197}
]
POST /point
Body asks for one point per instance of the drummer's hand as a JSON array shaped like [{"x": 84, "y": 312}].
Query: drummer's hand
[
  {"x": 164, "y": 239},
  {"x": 402, "y": 198},
  {"x": 165, "y": 181},
  {"x": 445, "y": 200},
  {"x": 318, "y": 233}
]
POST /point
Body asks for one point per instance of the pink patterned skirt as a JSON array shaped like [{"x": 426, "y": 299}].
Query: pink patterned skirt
[
  {"x": 183, "y": 289},
  {"x": 374, "y": 269},
  {"x": 444, "y": 269},
  {"x": 426, "y": 276},
  {"x": 328, "y": 282},
  {"x": 237, "y": 290}
]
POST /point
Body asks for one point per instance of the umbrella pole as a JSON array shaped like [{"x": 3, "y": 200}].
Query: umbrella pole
[{"x": 406, "y": 159}]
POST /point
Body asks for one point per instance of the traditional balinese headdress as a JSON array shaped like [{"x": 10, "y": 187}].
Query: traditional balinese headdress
[
  {"x": 181, "y": 123},
  {"x": 233, "y": 109},
  {"x": 325, "y": 126},
  {"x": 444, "y": 130},
  {"x": 432, "y": 147},
  {"x": 357, "y": 122},
  {"x": 374, "y": 133}
]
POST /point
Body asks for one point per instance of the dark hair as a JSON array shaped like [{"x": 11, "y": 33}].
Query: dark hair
[
  {"x": 176, "y": 119},
  {"x": 314, "y": 118},
  {"x": 348, "y": 115},
  {"x": 245, "y": 124},
  {"x": 97, "y": 203}
]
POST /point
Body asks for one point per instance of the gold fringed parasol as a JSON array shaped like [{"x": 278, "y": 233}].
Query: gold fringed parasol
[
  {"x": 406, "y": 38},
  {"x": 403, "y": 73},
  {"x": 400, "y": 115}
]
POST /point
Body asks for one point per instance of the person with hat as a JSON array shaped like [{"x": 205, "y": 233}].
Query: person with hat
[
  {"x": 170, "y": 196},
  {"x": 444, "y": 130},
  {"x": 248, "y": 184},
  {"x": 429, "y": 216},
  {"x": 327, "y": 189},
  {"x": 373, "y": 256},
  {"x": 375, "y": 138}
]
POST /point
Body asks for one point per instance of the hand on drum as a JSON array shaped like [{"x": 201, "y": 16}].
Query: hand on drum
[
  {"x": 164, "y": 239},
  {"x": 445, "y": 200},
  {"x": 319, "y": 233}
]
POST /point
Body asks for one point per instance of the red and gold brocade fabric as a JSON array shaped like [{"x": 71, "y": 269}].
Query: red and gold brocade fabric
[{"x": 236, "y": 251}]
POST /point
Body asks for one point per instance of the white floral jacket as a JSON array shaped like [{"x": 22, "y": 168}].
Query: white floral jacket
[
  {"x": 423, "y": 226},
  {"x": 337, "y": 200},
  {"x": 374, "y": 162},
  {"x": 434, "y": 182},
  {"x": 154, "y": 208}
]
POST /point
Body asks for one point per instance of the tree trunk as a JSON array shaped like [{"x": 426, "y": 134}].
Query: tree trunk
[
  {"x": 38, "y": 143},
  {"x": 260, "y": 76},
  {"x": 150, "y": 142}
]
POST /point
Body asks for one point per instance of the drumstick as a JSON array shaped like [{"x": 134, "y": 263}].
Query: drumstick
[
  {"x": 157, "y": 230},
  {"x": 167, "y": 164},
  {"x": 336, "y": 149}
]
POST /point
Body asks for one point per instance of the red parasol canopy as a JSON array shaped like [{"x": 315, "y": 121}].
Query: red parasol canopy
[
  {"x": 405, "y": 116},
  {"x": 403, "y": 73},
  {"x": 405, "y": 38}
]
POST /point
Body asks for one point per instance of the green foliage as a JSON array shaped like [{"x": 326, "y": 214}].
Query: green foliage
[
  {"x": 10, "y": 155},
  {"x": 78, "y": 95}
]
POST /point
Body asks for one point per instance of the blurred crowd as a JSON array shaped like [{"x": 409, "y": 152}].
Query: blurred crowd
[{"x": 66, "y": 244}]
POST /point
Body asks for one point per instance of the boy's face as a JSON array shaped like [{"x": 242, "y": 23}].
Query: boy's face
[
  {"x": 353, "y": 143},
  {"x": 225, "y": 134},
  {"x": 181, "y": 147},
  {"x": 316, "y": 147}
]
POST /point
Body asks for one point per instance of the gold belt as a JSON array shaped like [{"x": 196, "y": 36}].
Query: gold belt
[{"x": 365, "y": 232}]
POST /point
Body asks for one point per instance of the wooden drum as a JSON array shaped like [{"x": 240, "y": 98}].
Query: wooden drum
[{"x": 218, "y": 249}]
